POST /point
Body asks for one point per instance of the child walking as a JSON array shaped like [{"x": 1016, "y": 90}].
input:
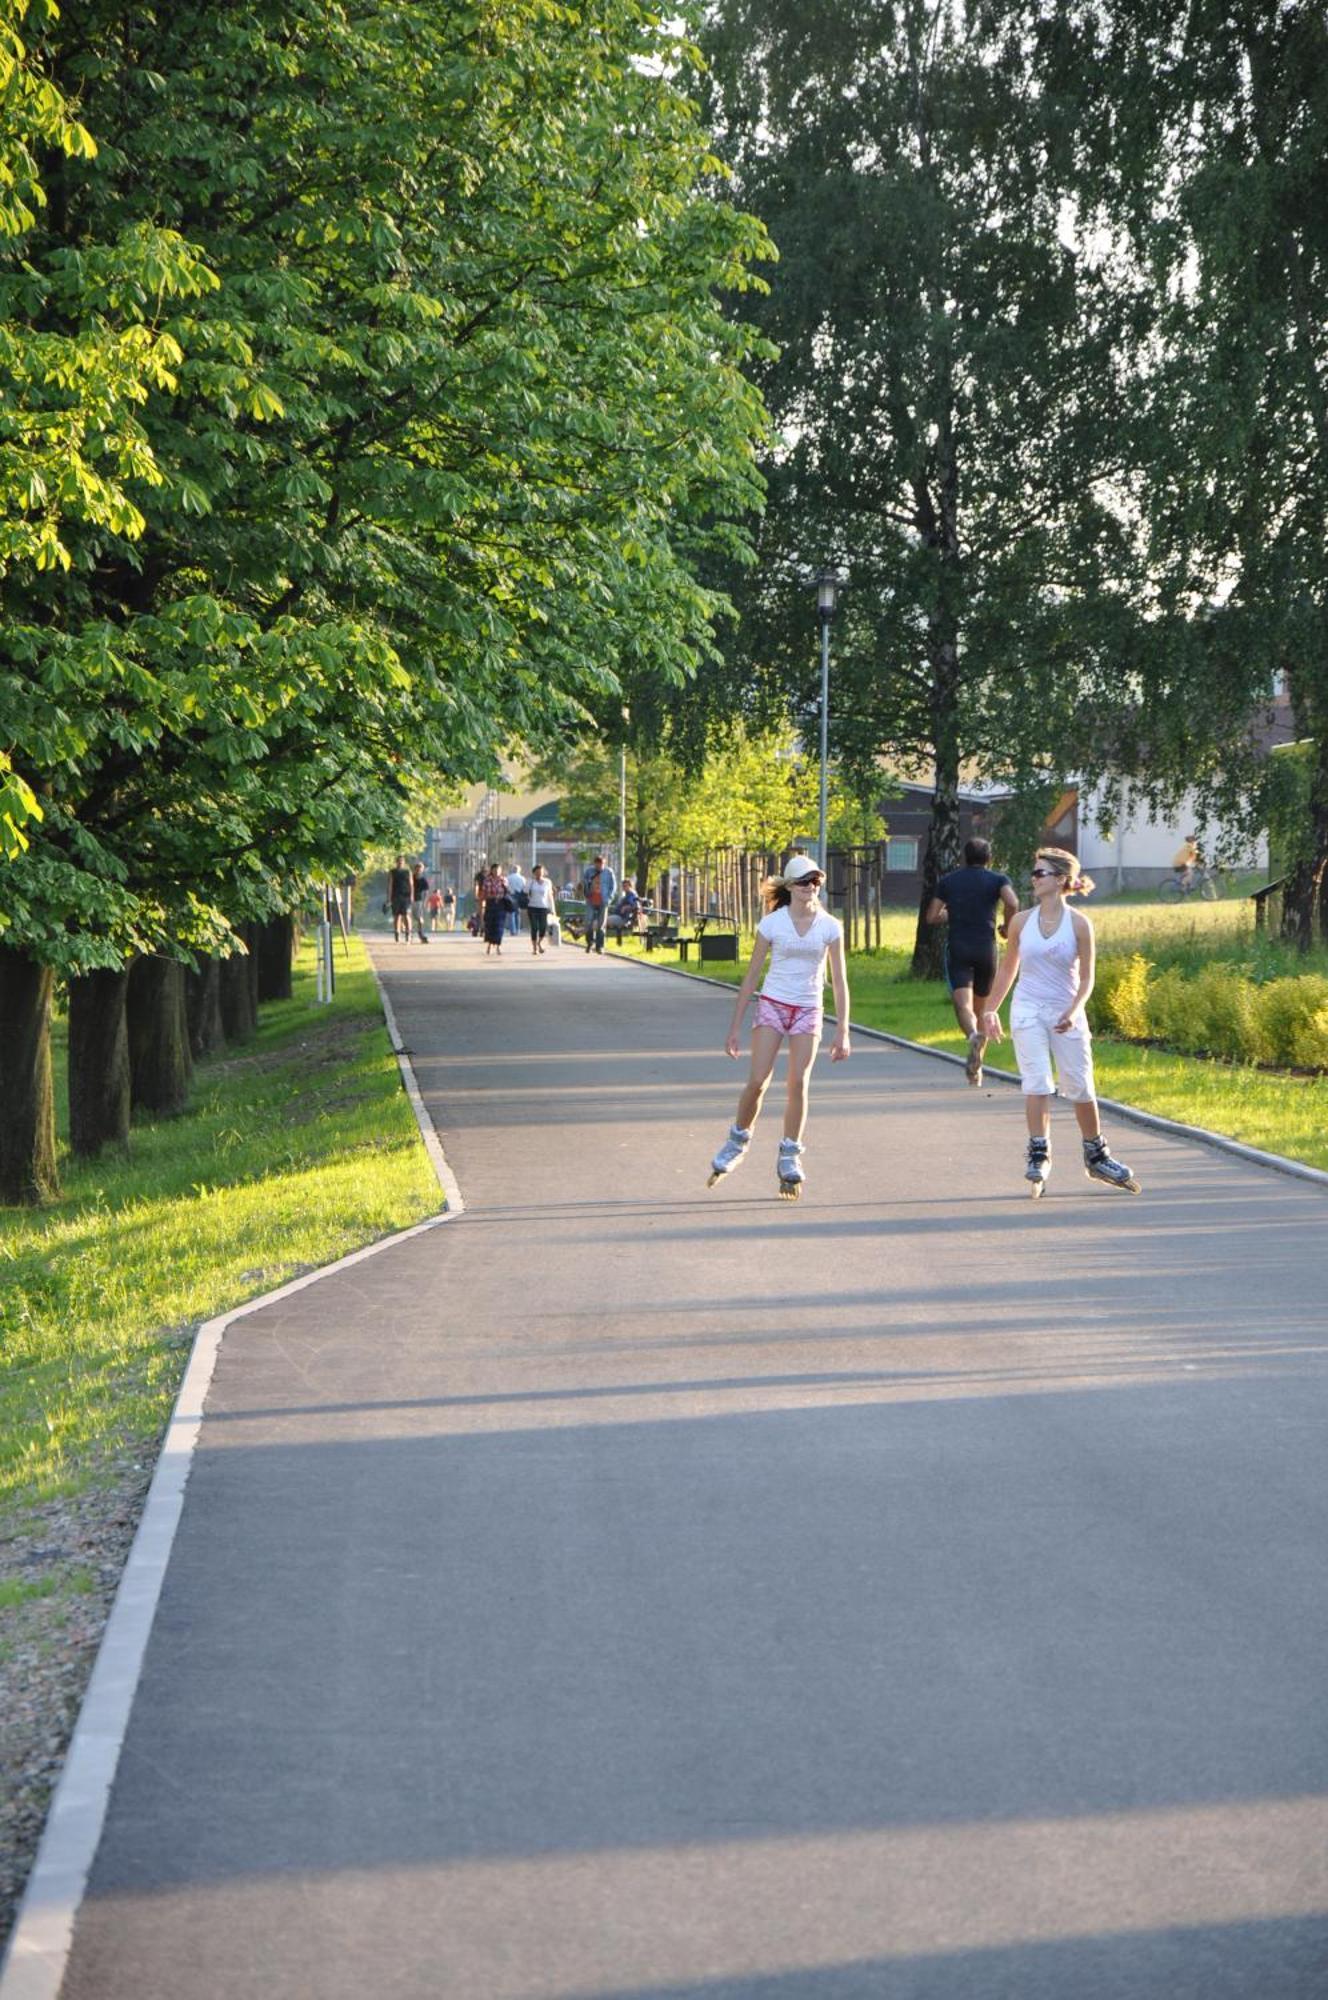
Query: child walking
[
  {"x": 1051, "y": 952},
  {"x": 797, "y": 936}
]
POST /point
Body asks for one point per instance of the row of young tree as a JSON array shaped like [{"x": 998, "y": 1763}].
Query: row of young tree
[
  {"x": 750, "y": 791},
  {"x": 1051, "y": 383},
  {"x": 368, "y": 399}
]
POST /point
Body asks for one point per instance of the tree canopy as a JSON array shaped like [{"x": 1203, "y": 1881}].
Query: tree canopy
[{"x": 370, "y": 399}]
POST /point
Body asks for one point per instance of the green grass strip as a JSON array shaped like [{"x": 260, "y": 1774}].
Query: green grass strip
[
  {"x": 1277, "y": 1112},
  {"x": 297, "y": 1148}
]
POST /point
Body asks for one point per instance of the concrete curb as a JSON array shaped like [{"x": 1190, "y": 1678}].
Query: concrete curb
[
  {"x": 1149, "y": 1120},
  {"x": 447, "y": 1180},
  {"x": 37, "y": 1954}
]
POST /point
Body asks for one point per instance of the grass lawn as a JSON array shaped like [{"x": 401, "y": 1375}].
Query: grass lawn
[
  {"x": 1277, "y": 1112},
  {"x": 297, "y": 1148}
]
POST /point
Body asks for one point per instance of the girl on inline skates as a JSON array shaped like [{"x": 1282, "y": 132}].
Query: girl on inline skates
[
  {"x": 797, "y": 936},
  {"x": 1051, "y": 952}
]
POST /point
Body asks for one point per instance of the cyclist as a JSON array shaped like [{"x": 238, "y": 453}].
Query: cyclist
[{"x": 1186, "y": 861}]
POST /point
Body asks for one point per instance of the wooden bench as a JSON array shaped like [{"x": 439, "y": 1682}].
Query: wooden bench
[{"x": 1259, "y": 898}]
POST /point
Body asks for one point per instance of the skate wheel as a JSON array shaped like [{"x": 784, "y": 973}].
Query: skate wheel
[
  {"x": 1131, "y": 1187},
  {"x": 1035, "y": 1190},
  {"x": 713, "y": 1178},
  {"x": 790, "y": 1190}
]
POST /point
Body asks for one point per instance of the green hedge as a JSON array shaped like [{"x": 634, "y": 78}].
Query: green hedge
[{"x": 1214, "y": 1010}]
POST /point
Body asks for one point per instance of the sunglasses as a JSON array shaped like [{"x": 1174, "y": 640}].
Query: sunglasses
[
  {"x": 809, "y": 882},
  {"x": 1037, "y": 873}
]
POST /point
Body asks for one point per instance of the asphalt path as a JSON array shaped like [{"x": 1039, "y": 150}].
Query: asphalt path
[{"x": 638, "y": 1591}]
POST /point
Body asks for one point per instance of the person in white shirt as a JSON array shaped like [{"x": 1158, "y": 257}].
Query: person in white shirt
[
  {"x": 539, "y": 907},
  {"x": 1051, "y": 953},
  {"x": 797, "y": 936}
]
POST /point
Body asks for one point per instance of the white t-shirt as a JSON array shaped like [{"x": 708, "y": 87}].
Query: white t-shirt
[
  {"x": 541, "y": 893},
  {"x": 796, "y": 972}
]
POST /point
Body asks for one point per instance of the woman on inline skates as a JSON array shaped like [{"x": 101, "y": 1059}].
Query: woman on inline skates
[
  {"x": 797, "y": 936},
  {"x": 1051, "y": 952}
]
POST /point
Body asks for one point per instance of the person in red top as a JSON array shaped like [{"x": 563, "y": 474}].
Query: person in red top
[
  {"x": 497, "y": 906},
  {"x": 599, "y": 886}
]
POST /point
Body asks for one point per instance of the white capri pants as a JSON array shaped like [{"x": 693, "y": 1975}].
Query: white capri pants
[{"x": 1044, "y": 1057}]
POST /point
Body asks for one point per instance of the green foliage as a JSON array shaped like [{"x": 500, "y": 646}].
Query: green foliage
[
  {"x": 1286, "y": 802},
  {"x": 1202, "y": 151},
  {"x": 1208, "y": 1013},
  {"x": 752, "y": 790},
  {"x": 1018, "y": 822},
  {"x": 1214, "y": 1007},
  {"x": 946, "y": 398},
  {"x": 1119, "y": 1000},
  {"x": 1292, "y": 1015},
  {"x": 437, "y": 414}
]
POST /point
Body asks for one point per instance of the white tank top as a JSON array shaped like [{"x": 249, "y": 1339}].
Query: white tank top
[{"x": 1048, "y": 969}]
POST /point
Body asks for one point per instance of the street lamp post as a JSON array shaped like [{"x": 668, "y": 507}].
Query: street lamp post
[
  {"x": 622, "y": 799},
  {"x": 827, "y": 589}
]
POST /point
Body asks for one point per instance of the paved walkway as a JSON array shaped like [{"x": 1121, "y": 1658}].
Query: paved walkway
[{"x": 629, "y": 1590}]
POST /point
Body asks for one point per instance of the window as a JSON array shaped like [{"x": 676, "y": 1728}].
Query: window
[{"x": 901, "y": 854}]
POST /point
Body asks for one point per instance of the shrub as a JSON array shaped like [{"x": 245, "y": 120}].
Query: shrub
[
  {"x": 1292, "y": 1015},
  {"x": 1225, "y": 1021},
  {"x": 1170, "y": 1019},
  {"x": 1119, "y": 1002}
]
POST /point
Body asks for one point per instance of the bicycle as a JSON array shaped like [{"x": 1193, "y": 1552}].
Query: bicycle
[{"x": 1205, "y": 882}]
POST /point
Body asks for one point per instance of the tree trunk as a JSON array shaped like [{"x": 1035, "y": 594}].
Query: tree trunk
[
  {"x": 942, "y": 854},
  {"x": 1304, "y": 912},
  {"x": 27, "y": 1097},
  {"x": 99, "y": 1078},
  {"x": 272, "y": 959},
  {"x": 251, "y": 935},
  {"x": 939, "y": 520},
  {"x": 202, "y": 999},
  {"x": 160, "y": 1065},
  {"x": 239, "y": 1015}
]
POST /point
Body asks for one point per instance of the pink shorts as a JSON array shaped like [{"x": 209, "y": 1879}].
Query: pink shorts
[{"x": 787, "y": 1019}]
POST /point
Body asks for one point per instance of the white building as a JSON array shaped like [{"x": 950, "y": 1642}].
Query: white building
[{"x": 1138, "y": 851}]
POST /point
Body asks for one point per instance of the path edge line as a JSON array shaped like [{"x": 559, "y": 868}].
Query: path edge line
[
  {"x": 36, "y": 1956},
  {"x": 1152, "y": 1121},
  {"x": 433, "y": 1145}
]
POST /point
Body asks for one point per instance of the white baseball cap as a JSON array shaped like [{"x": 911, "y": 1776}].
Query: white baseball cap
[{"x": 799, "y": 867}]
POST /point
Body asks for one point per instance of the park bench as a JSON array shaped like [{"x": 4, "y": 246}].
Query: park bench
[
  {"x": 661, "y": 929},
  {"x": 1259, "y": 898},
  {"x": 715, "y": 938}
]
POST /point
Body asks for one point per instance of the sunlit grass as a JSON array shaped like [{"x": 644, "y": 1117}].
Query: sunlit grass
[{"x": 297, "y": 1148}]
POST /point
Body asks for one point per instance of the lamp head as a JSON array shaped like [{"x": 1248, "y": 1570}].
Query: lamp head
[{"x": 828, "y": 582}]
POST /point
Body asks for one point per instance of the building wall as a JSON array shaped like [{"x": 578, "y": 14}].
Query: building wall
[{"x": 1138, "y": 853}]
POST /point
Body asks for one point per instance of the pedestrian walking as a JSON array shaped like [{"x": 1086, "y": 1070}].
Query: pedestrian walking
[
  {"x": 517, "y": 889},
  {"x": 419, "y": 896},
  {"x": 400, "y": 899},
  {"x": 797, "y": 936},
  {"x": 497, "y": 909},
  {"x": 598, "y": 887},
  {"x": 435, "y": 908},
  {"x": 969, "y": 899},
  {"x": 449, "y": 907},
  {"x": 539, "y": 907},
  {"x": 1051, "y": 954}
]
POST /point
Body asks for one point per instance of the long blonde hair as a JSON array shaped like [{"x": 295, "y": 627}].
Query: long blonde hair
[
  {"x": 1067, "y": 867},
  {"x": 775, "y": 893}
]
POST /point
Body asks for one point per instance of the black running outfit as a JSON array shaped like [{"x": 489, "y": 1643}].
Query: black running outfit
[{"x": 972, "y": 897}]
